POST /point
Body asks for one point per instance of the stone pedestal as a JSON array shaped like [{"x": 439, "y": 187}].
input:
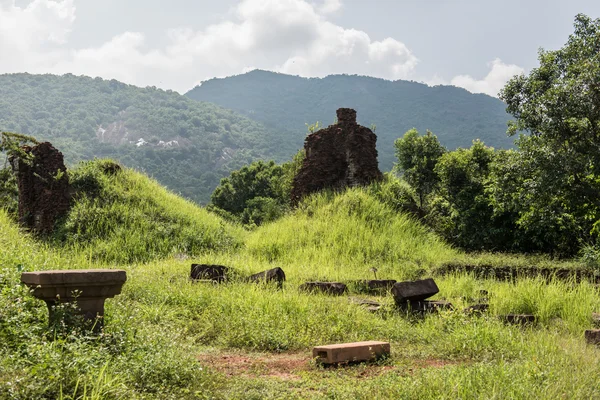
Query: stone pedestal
[{"x": 88, "y": 287}]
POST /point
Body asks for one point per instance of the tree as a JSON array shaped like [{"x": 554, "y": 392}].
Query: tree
[
  {"x": 557, "y": 170},
  {"x": 417, "y": 158}
]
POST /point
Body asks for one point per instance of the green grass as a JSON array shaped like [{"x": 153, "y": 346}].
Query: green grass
[{"x": 160, "y": 331}]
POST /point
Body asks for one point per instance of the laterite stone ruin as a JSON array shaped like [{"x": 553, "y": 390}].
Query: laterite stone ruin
[
  {"x": 341, "y": 155},
  {"x": 43, "y": 184}
]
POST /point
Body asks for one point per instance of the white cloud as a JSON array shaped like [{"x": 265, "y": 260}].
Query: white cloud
[
  {"x": 495, "y": 80},
  {"x": 291, "y": 36},
  {"x": 330, "y": 6}
]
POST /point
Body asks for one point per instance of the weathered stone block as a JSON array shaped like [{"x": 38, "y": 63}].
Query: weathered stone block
[
  {"x": 271, "y": 275},
  {"x": 351, "y": 352},
  {"x": 592, "y": 336},
  {"x": 404, "y": 292},
  {"x": 334, "y": 288},
  {"x": 217, "y": 273}
]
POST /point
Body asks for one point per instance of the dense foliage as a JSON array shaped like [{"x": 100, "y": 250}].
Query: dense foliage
[
  {"x": 286, "y": 103},
  {"x": 186, "y": 145},
  {"x": 256, "y": 193}
]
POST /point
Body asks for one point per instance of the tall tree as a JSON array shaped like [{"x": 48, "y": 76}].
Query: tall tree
[
  {"x": 417, "y": 157},
  {"x": 558, "y": 166}
]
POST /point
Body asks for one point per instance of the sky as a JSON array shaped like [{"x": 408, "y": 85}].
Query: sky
[{"x": 177, "y": 44}]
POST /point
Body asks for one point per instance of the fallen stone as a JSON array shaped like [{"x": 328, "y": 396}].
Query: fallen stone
[
  {"x": 519, "y": 319},
  {"x": 373, "y": 285},
  {"x": 426, "y": 306},
  {"x": 271, "y": 275},
  {"x": 334, "y": 288},
  {"x": 88, "y": 287},
  {"x": 592, "y": 336},
  {"x": 351, "y": 352},
  {"x": 404, "y": 292},
  {"x": 216, "y": 273},
  {"x": 477, "y": 308}
]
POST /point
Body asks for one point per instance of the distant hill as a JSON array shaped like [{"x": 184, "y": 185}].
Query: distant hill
[
  {"x": 286, "y": 103},
  {"x": 186, "y": 145}
]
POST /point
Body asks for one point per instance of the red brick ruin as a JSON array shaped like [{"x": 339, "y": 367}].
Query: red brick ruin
[
  {"x": 338, "y": 156},
  {"x": 43, "y": 187}
]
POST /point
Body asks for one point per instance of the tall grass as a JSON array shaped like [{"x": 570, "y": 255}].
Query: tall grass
[
  {"x": 161, "y": 322},
  {"x": 122, "y": 217}
]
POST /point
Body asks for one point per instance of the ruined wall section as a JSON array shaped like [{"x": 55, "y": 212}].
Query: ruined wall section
[
  {"x": 342, "y": 155},
  {"x": 43, "y": 187}
]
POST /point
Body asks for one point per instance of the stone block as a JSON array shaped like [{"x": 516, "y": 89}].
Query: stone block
[
  {"x": 271, "y": 275},
  {"x": 404, "y": 292},
  {"x": 351, "y": 352},
  {"x": 592, "y": 336},
  {"x": 334, "y": 288},
  {"x": 216, "y": 273}
]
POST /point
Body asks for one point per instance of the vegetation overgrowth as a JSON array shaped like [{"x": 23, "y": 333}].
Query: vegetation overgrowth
[
  {"x": 168, "y": 337},
  {"x": 161, "y": 331}
]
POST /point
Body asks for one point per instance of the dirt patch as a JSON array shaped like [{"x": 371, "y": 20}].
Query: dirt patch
[
  {"x": 289, "y": 366},
  {"x": 285, "y": 366}
]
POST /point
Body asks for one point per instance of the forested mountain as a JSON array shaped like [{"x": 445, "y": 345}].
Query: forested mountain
[
  {"x": 286, "y": 103},
  {"x": 186, "y": 145}
]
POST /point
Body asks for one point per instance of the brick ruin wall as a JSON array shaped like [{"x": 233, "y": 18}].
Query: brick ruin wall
[
  {"x": 43, "y": 184},
  {"x": 341, "y": 155}
]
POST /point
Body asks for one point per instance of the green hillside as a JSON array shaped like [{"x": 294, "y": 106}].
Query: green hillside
[
  {"x": 286, "y": 103},
  {"x": 182, "y": 340},
  {"x": 186, "y": 145}
]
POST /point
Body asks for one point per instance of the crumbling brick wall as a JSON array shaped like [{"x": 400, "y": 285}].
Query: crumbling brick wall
[
  {"x": 344, "y": 154},
  {"x": 43, "y": 187}
]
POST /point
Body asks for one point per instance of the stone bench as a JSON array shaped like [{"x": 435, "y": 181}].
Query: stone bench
[
  {"x": 89, "y": 287},
  {"x": 351, "y": 352}
]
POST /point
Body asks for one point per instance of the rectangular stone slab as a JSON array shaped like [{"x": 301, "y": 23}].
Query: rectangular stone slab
[
  {"x": 350, "y": 352},
  {"x": 74, "y": 277},
  {"x": 414, "y": 290}
]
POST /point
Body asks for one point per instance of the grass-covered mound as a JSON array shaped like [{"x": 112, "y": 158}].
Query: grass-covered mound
[
  {"x": 343, "y": 236},
  {"x": 122, "y": 216}
]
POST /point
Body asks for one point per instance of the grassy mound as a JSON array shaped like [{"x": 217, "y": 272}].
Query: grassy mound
[
  {"x": 122, "y": 216},
  {"x": 345, "y": 235}
]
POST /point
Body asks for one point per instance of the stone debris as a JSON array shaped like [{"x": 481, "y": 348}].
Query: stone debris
[
  {"x": 271, "y": 275},
  {"x": 519, "y": 319},
  {"x": 215, "y": 273},
  {"x": 592, "y": 336},
  {"x": 413, "y": 291},
  {"x": 596, "y": 319},
  {"x": 333, "y": 288},
  {"x": 351, "y": 352},
  {"x": 421, "y": 306},
  {"x": 339, "y": 156},
  {"x": 44, "y": 191}
]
